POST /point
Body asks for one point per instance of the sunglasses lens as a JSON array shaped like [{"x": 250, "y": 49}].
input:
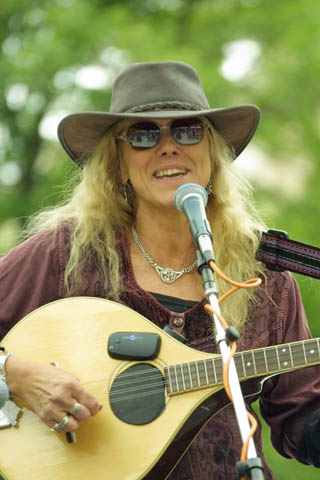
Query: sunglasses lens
[
  {"x": 143, "y": 135},
  {"x": 187, "y": 131}
]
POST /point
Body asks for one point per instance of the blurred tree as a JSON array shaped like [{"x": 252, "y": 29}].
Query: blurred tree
[{"x": 60, "y": 56}]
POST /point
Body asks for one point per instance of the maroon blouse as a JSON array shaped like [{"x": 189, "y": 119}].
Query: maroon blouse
[{"x": 32, "y": 274}]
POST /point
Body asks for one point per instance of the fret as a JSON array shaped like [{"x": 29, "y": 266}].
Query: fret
[
  {"x": 243, "y": 366},
  {"x": 304, "y": 352},
  {"x": 239, "y": 365},
  {"x": 312, "y": 352},
  {"x": 182, "y": 376},
  {"x": 278, "y": 359},
  {"x": 206, "y": 372},
  {"x": 297, "y": 354},
  {"x": 175, "y": 376},
  {"x": 198, "y": 376},
  {"x": 285, "y": 358},
  {"x": 194, "y": 375},
  {"x": 219, "y": 368},
  {"x": 167, "y": 379},
  {"x": 254, "y": 363},
  {"x": 271, "y": 359},
  {"x": 179, "y": 377},
  {"x": 249, "y": 363},
  {"x": 260, "y": 362},
  {"x": 265, "y": 360},
  {"x": 186, "y": 376},
  {"x": 215, "y": 369},
  {"x": 202, "y": 373},
  {"x": 172, "y": 376},
  {"x": 212, "y": 377},
  {"x": 291, "y": 358},
  {"x": 190, "y": 375}
]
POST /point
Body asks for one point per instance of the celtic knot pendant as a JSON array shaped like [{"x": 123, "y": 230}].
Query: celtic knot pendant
[{"x": 168, "y": 275}]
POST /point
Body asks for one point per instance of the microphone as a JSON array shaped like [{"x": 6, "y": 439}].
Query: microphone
[{"x": 191, "y": 200}]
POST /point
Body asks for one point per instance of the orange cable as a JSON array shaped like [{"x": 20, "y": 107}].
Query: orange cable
[{"x": 251, "y": 283}]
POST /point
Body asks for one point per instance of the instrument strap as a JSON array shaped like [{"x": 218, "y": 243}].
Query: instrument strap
[{"x": 280, "y": 253}]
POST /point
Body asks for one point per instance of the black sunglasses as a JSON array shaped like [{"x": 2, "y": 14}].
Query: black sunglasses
[{"x": 143, "y": 135}]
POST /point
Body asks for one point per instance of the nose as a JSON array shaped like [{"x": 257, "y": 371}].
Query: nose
[{"x": 166, "y": 144}]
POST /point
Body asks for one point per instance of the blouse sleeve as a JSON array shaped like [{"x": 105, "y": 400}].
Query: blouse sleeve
[
  {"x": 31, "y": 275},
  {"x": 288, "y": 400}
]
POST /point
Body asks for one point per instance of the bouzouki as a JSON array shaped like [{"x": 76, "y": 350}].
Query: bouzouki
[{"x": 153, "y": 407}]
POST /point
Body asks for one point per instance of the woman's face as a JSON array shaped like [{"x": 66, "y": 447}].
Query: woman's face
[{"x": 156, "y": 173}]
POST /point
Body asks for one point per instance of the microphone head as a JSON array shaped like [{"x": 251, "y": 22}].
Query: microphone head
[{"x": 185, "y": 190}]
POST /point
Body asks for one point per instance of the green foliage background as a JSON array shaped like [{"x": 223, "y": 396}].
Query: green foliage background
[{"x": 44, "y": 43}]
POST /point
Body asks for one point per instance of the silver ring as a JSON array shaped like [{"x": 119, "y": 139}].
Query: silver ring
[
  {"x": 60, "y": 425},
  {"x": 76, "y": 409}
]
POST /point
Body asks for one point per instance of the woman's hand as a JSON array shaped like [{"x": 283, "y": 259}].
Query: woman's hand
[{"x": 51, "y": 393}]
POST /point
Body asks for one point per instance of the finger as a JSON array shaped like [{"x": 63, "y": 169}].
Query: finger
[
  {"x": 72, "y": 425},
  {"x": 87, "y": 400},
  {"x": 79, "y": 411},
  {"x": 66, "y": 424}
]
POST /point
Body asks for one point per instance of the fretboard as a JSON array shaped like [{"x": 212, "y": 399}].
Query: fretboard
[{"x": 189, "y": 376}]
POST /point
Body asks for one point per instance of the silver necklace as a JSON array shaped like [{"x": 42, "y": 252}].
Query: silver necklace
[{"x": 167, "y": 275}]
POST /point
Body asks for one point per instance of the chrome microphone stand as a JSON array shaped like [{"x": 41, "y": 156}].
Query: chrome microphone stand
[
  {"x": 191, "y": 199},
  {"x": 253, "y": 467}
]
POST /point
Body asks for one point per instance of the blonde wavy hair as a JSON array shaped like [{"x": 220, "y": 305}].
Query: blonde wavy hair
[{"x": 98, "y": 212}]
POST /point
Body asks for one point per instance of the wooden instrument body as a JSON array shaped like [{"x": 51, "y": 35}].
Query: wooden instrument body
[{"x": 74, "y": 333}]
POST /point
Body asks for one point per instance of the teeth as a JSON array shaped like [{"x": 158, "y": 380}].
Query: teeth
[{"x": 171, "y": 172}]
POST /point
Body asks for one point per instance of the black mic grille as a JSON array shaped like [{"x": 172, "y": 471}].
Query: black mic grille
[{"x": 185, "y": 190}]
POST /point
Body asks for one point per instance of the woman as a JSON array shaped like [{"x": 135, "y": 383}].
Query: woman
[{"x": 119, "y": 231}]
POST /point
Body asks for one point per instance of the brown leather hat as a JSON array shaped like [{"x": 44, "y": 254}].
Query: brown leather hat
[{"x": 156, "y": 90}]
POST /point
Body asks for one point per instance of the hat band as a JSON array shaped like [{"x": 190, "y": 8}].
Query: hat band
[{"x": 148, "y": 107}]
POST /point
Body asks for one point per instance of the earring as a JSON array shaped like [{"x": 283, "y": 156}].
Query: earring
[
  {"x": 127, "y": 191},
  {"x": 124, "y": 192},
  {"x": 209, "y": 187}
]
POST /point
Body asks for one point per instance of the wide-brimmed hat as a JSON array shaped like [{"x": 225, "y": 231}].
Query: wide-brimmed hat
[{"x": 156, "y": 90}]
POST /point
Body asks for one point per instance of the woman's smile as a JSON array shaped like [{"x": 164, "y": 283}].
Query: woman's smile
[{"x": 171, "y": 173}]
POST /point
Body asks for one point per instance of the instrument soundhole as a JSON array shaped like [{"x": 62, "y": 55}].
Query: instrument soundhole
[{"x": 137, "y": 395}]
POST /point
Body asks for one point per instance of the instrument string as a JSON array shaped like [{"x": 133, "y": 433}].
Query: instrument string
[
  {"x": 135, "y": 388},
  {"x": 139, "y": 395},
  {"x": 259, "y": 364},
  {"x": 128, "y": 381}
]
